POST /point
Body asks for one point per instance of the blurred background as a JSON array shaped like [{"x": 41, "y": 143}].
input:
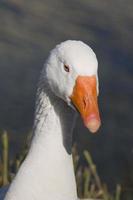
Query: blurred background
[{"x": 29, "y": 30}]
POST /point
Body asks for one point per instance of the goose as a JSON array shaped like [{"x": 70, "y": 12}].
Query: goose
[{"x": 68, "y": 85}]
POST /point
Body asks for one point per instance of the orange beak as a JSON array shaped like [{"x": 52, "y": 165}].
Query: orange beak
[{"x": 84, "y": 97}]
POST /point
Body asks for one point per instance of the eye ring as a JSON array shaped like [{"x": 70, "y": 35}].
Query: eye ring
[{"x": 66, "y": 68}]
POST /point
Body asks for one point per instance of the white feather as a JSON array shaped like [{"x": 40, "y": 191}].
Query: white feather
[{"x": 47, "y": 172}]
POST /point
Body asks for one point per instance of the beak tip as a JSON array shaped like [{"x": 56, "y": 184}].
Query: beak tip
[{"x": 93, "y": 125}]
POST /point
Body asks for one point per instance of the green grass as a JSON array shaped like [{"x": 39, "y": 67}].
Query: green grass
[{"x": 88, "y": 181}]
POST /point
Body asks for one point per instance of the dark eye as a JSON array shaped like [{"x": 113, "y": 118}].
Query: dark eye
[{"x": 66, "y": 68}]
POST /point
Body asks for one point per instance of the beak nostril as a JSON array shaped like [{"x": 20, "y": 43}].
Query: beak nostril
[{"x": 84, "y": 103}]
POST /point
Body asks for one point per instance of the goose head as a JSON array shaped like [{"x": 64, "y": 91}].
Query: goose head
[{"x": 71, "y": 71}]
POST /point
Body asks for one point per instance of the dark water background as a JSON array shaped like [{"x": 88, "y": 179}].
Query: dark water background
[{"x": 29, "y": 30}]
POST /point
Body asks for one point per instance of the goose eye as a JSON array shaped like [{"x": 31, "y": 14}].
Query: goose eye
[{"x": 66, "y": 68}]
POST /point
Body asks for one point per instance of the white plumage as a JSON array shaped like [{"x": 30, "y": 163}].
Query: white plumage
[{"x": 47, "y": 172}]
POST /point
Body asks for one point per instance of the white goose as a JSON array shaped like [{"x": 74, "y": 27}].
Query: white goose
[{"x": 68, "y": 82}]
